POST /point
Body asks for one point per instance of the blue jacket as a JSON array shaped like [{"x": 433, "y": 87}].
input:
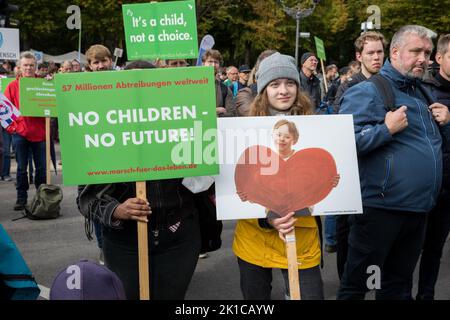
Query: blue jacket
[
  {"x": 16, "y": 280},
  {"x": 400, "y": 172}
]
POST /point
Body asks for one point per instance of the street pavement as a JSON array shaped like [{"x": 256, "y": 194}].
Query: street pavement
[{"x": 49, "y": 246}]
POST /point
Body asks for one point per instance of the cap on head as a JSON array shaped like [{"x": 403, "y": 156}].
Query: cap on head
[
  {"x": 87, "y": 280},
  {"x": 274, "y": 67},
  {"x": 306, "y": 56},
  {"x": 244, "y": 68}
]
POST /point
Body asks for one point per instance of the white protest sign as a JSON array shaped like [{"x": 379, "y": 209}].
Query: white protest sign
[
  {"x": 206, "y": 44},
  {"x": 325, "y": 148},
  {"x": 9, "y": 44},
  {"x": 39, "y": 55},
  {"x": 118, "y": 52}
]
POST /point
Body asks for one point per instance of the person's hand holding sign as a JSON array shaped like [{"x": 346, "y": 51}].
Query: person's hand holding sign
[
  {"x": 284, "y": 225},
  {"x": 133, "y": 209},
  {"x": 336, "y": 180}
]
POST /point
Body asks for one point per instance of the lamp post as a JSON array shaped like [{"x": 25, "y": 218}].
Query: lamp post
[{"x": 297, "y": 13}]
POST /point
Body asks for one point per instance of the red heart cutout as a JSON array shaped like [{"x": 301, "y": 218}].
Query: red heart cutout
[{"x": 301, "y": 181}]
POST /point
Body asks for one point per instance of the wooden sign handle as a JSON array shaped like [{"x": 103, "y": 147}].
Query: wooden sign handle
[
  {"x": 48, "y": 157},
  {"x": 324, "y": 77},
  {"x": 144, "y": 287},
  {"x": 291, "y": 251}
]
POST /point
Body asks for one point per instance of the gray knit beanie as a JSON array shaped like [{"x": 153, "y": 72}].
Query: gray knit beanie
[{"x": 274, "y": 67}]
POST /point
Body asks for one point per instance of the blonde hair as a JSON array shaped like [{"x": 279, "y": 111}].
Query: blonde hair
[
  {"x": 369, "y": 36},
  {"x": 292, "y": 128},
  {"x": 97, "y": 51}
]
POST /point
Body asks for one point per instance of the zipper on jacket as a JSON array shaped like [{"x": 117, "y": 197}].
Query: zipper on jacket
[
  {"x": 16, "y": 277},
  {"x": 386, "y": 178},
  {"x": 418, "y": 102},
  {"x": 431, "y": 147},
  {"x": 180, "y": 204},
  {"x": 158, "y": 195},
  {"x": 431, "y": 121}
]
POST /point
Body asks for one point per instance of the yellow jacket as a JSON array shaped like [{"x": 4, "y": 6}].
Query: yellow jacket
[{"x": 264, "y": 248}]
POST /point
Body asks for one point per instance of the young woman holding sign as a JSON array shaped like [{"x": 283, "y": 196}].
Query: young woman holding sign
[
  {"x": 173, "y": 230},
  {"x": 259, "y": 243}
]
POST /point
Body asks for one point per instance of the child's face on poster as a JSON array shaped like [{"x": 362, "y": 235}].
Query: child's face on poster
[{"x": 283, "y": 139}]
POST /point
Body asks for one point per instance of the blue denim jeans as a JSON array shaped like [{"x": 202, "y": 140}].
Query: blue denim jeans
[
  {"x": 330, "y": 230},
  {"x": 98, "y": 234},
  {"x": 5, "y": 170},
  {"x": 23, "y": 150}
]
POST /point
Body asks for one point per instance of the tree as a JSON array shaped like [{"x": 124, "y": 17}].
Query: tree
[{"x": 241, "y": 28}]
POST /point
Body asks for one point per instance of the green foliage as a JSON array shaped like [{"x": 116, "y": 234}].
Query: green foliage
[{"x": 241, "y": 28}]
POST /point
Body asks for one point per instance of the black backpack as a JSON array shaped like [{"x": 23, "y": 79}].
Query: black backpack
[
  {"x": 385, "y": 89},
  {"x": 387, "y": 94}
]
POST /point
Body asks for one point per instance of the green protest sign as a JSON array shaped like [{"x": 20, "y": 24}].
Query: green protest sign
[
  {"x": 37, "y": 97},
  {"x": 4, "y": 83},
  {"x": 320, "y": 49},
  {"x": 165, "y": 30},
  {"x": 118, "y": 126}
]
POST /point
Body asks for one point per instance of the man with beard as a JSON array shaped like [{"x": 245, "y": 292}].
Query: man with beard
[
  {"x": 308, "y": 80},
  {"x": 400, "y": 164},
  {"x": 369, "y": 48}
]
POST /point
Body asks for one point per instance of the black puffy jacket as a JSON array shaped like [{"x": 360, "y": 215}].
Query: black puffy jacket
[
  {"x": 169, "y": 199},
  {"x": 440, "y": 88}
]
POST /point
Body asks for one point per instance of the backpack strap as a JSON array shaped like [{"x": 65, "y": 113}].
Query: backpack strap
[
  {"x": 427, "y": 95},
  {"x": 353, "y": 82},
  {"x": 385, "y": 89}
]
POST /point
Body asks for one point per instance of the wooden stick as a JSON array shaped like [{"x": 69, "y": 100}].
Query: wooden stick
[
  {"x": 291, "y": 252},
  {"x": 324, "y": 76},
  {"x": 144, "y": 288},
  {"x": 48, "y": 157}
]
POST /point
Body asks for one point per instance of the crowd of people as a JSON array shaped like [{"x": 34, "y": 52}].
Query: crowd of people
[{"x": 403, "y": 157}]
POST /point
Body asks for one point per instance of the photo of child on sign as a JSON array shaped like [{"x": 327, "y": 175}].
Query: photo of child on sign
[
  {"x": 306, "y": 165},
  {"x": 303, "y": 178}
]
